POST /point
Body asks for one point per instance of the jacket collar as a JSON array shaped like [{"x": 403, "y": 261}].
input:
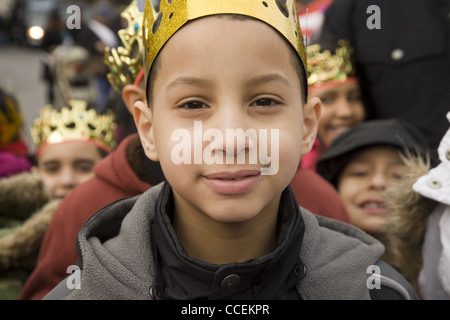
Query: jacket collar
[{"x": 273, "y": 276}]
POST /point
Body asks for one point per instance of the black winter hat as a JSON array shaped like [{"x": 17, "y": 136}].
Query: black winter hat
[{"x": 396, "y": 133}]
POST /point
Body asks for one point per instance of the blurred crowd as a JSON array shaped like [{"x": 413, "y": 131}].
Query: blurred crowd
[{"x": 382, "y": 150}]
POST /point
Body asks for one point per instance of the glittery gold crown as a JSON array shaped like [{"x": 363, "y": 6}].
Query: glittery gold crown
[
  {"x": 74, "y": 123},
  {"x": 158, "y": 27},
  {"x": 324, "y": 66},
  {"x": 126, "y": 61}
]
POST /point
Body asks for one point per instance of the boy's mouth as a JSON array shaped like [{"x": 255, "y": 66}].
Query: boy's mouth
[
  {"x": 337, "y": 130},
  {"x": 233, "y": 182},
  {"x": 374, "y": 207}
]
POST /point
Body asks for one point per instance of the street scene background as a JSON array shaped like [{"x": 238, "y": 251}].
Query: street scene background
[
  {"x": 20, "y": 70},
  {"x": 30, "y": 30}
]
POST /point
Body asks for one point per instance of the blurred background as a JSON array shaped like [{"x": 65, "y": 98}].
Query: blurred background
[{"x": 43, "y": 61}]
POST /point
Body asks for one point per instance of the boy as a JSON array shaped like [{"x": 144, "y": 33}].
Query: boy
[
  {"x": 219, "y": 228},
  {"x": 135, "y": 173},
  {"x": 365, "y": 163},
  {"x": 69, "y": 143}
]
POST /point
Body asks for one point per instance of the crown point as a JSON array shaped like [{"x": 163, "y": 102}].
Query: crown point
[{"x": 118, "y": 59}]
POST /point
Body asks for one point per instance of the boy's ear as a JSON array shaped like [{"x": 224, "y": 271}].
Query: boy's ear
[
  {"x": 143, "y": 119},
  {"x": 132, "y": 93},
  {"x": 311, "y": 116}
]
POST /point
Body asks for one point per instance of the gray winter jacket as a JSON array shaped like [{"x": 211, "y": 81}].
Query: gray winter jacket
[{"x": 117, "y": 261}]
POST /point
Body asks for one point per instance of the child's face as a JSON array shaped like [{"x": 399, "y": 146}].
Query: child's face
[
  {"x": 363, "y": 182},
  {"x": 64, "y": 166},
  {"x": 227, "y": 75},
  {"x": 341, "y": 109}
]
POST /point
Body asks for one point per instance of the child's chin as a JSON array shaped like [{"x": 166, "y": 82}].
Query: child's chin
[{"x": 232, "y": 215}]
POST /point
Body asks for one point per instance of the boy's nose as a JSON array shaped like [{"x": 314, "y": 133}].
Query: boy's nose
[
  {"x": 67, "y": 178},
  {"x": 238, "y": 140},
  {"x": 238, "y": 136},
  {"x": 378, "y": 181}
]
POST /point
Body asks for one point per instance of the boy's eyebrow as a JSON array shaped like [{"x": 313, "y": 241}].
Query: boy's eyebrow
[
  {"x": 84, "y": 161},
  {"x": 76, "y": 161},
  {"x": 205, "y": 83},
  {"x": 189, "y": 81},
  {"x": 49, "y": 162},
  {"x": 267, "y": 78}
]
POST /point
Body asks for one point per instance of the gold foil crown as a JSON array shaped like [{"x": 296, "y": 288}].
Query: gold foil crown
[
  {"x": 74, "y": 123},
  {"x": 125, "y": 62},
  {"x": 325, "y": 67},
  {"x": 158, "y": 27}
]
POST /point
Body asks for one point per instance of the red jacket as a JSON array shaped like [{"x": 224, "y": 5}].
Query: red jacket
[{"x": 114, "y": 180}]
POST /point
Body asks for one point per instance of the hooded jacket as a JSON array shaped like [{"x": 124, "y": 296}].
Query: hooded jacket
[
  {"x": 25, "y": 212},
  {"x": 418, "y": 231},
  {"x": 114, "y": 179},
  {"x": 117, "y": 261}
]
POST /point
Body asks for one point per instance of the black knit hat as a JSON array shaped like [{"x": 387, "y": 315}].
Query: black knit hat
[{"x": 396, "y": 133}]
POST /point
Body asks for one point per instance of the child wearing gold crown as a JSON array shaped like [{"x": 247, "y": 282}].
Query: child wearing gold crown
[
  {"x": 332, "y": 78},
  {"x": 124, "y": 63},
  {"x": 69, "y": 143},
  {"x": 224, "y": 226}
]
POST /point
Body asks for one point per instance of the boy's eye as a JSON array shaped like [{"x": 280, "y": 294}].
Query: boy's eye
[
  {"x": 354, "y": 98},
  {"x": 358, "y": 173},
  {"x": 265, "y": 102},
  {"x": 51, "y": 169},
  {"x": 327, "y": 100},
  {"x": 193, "y": 105},
  {"x": 84, "y": 168},
  {"x": 398, "y": 175}
]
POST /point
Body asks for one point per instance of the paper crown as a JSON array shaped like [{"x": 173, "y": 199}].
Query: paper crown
[
  {"x": 74, "y": 123},
  {"x": 158, "y": 27},
  {"x": 125, "y": 62},
  {"x": 326, "y": 67}
]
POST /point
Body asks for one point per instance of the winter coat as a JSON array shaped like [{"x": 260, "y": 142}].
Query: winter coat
[
  {"x": 392, "y": 66},
  {"x": 25, "y": 212},
  {"x": 117, "y": 262},
  {"x": 418, "y": 231},
  {"x": 114, "y": 179}
]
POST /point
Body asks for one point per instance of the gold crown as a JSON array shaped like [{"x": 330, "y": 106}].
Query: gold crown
[
  {"x": 74, "y": 123},
  {"x": 158, "y": 27},
  {"x": 125, "y": 62},
  {"x": 323, "y": 66}
]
